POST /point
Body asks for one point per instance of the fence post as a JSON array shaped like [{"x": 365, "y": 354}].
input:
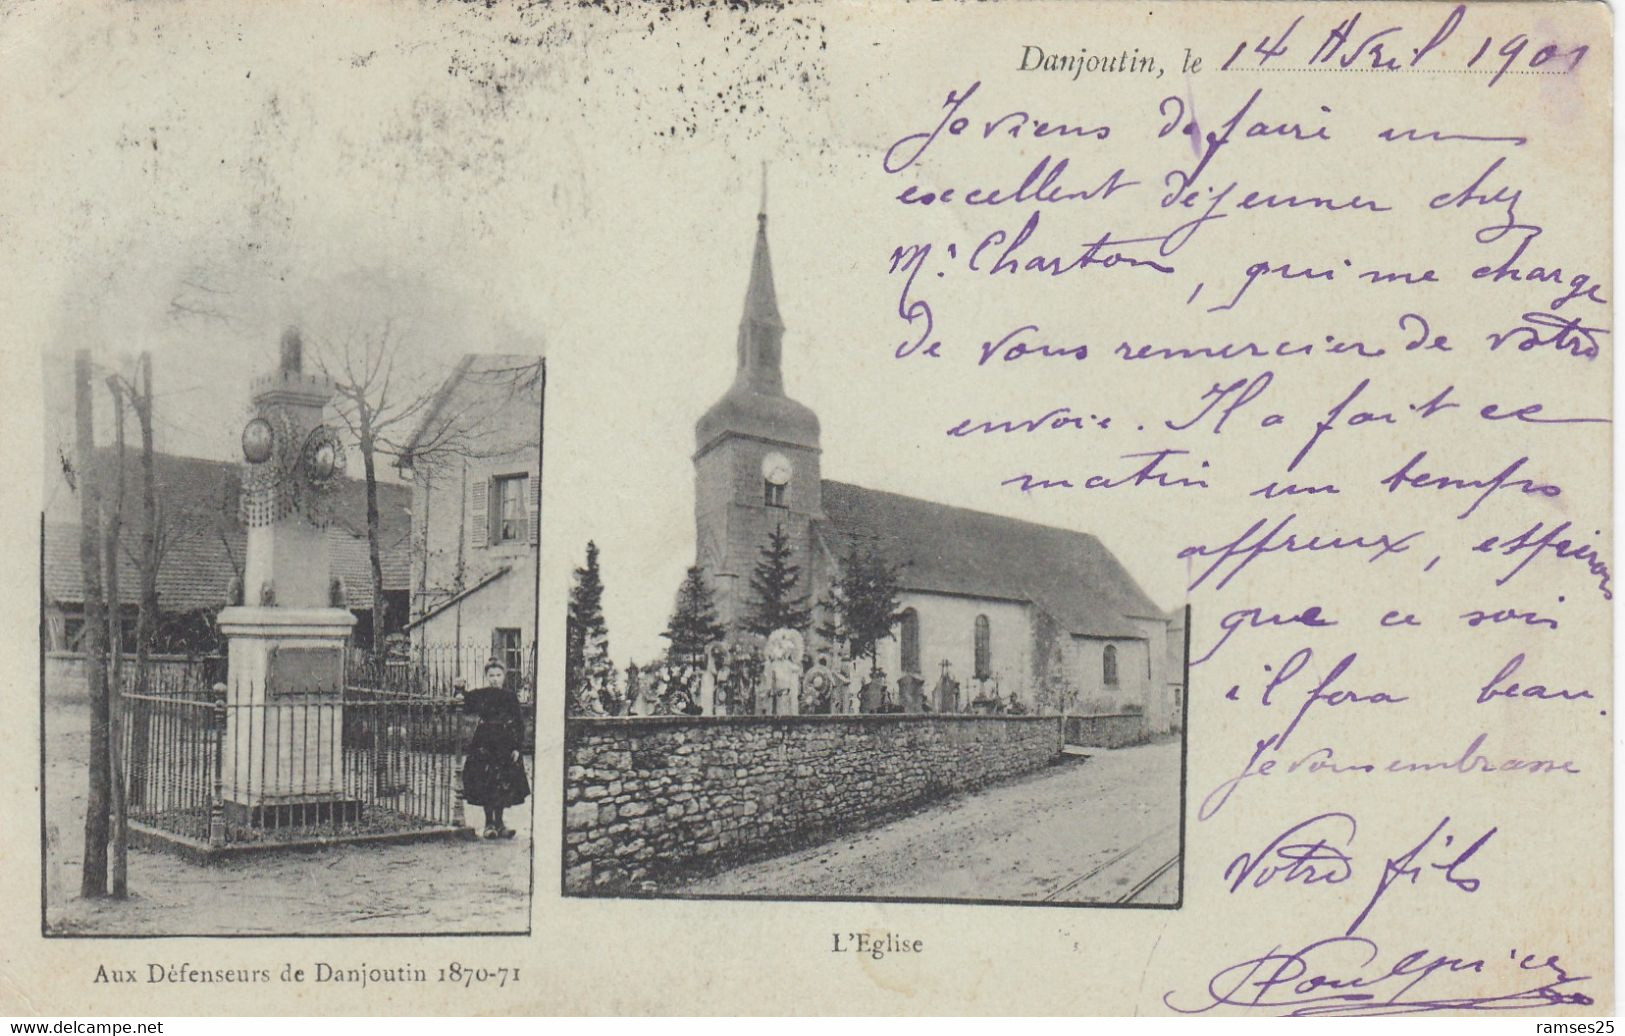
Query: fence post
[
  {"x": 455, "y": 709},
  {"x": 217, "y": 803},
  {"x": 456, "y": 790}
]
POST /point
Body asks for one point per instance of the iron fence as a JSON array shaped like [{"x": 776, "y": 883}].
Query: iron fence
[
  {"x": 433, "y": 670},
  {"x": 289, "y": 765}
]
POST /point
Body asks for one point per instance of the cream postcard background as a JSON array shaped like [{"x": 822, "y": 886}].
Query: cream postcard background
[{"x": 590, "y": 179}]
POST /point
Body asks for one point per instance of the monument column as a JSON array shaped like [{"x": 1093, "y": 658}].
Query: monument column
[{"x": 283, "y": 743}]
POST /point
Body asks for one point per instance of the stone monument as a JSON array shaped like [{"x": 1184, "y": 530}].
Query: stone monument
[
  {"x": 784, "y": 651},
  {"x": 911, "y": 693},
  {"x": 283, "y": 748},
  {"x": 947, "y": 692},
  {"x": 716, "y": 664}
]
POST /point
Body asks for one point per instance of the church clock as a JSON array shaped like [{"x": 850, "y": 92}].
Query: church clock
[
  {"x": 775, "y": 476},
  {"x": 776, "y": 469}
]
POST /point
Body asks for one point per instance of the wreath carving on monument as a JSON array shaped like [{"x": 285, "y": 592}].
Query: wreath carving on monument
[{"x": 289, "y": 470}]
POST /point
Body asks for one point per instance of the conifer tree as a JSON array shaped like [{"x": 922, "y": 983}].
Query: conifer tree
[
  {"x": 589, "y": 673},
  {"x": 774, "y": 602},
  {"x": 863, "y": 603},
  {"x": 694, "y": 622}
]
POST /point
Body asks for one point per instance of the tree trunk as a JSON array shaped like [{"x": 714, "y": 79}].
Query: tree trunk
[
  {"x": 425, "y": 478},
  {"x": 146, "y": 624},
  {"x": 115, "y": 653},
  {"x": 93, "y": 881},
  {"x": 379, "y": 606}
]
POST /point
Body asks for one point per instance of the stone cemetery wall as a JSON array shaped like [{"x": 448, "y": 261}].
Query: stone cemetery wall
[
  {"x": 647, "y": 797},
  {"x": 1107, "y": 731}
]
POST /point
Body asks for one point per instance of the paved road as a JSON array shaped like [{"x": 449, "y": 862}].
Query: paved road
[{"x": 1101, "y": 829}]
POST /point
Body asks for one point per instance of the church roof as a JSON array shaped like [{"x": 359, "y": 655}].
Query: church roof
[
  {"x": 760, "y": 415},
  {"x": 1071, "y": 576}
]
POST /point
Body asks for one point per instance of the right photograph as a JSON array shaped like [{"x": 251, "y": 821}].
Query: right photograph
[{"x": 866, "y": 695}]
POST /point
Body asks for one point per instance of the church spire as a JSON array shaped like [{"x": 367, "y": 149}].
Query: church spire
[
  {"x": 761, "y": 330},
  {"x": 761, "y": 301},
  {"x": 755, "y": 408}
]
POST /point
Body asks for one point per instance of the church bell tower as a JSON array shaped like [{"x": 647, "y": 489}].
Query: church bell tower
[{"x": 756, "y": 457}]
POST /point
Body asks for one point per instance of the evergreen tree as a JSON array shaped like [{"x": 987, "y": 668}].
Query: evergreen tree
[
  {"x": 589, "y": 673},
  {"x": 863, "y": 603},
  {"x": 694, "y": 622},
  {"x": 774, "y": 602}
]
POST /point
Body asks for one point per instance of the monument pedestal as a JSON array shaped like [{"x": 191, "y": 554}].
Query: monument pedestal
[{"x": 284, "y": 738}]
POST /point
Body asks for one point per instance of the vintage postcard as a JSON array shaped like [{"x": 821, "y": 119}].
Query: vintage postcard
[{"x": 820, "y": 508}]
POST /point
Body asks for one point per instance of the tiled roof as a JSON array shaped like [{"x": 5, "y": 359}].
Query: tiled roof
[
  {"x": 204, "y": 544},
  {"x": 942, "y": 549}
]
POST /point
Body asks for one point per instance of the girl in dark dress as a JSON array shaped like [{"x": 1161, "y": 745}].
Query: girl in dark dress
[{"x": 493, "y": 773}]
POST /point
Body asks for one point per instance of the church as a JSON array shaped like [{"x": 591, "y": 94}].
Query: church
[{"x": 1008, "y": 607}]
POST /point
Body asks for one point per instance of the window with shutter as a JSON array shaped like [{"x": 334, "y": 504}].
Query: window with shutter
[
  {"x": 510, "y": 510},
  {"x": 506, "y": 647},
  {"x": 479, "y": 526}
]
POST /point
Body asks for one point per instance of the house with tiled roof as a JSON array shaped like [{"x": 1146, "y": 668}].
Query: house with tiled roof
[
  {"x": 475, "y": 464},
  {"x": 201, "y": 548},
  {"x": 1003, "y": 607}
]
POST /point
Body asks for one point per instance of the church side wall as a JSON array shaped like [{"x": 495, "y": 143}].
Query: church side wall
[
  {"x": 1159, "y": 705},
  {"x": 658, "y": 797},
  {"x": 1087, "y": 663},
  {"x": 948, "y": 631}
]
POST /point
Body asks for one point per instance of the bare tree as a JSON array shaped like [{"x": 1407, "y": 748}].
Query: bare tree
[
  {"x": 115, "y": 651},
  {"x": 147, "y": 563},
  {"x": 392, "y": 412},
  {"x": 93, "y": 880},
  {"x": 146, "y": 622}
]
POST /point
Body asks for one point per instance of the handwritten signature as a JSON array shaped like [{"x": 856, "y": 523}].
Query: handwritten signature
[{"x": 1345, "y": 975}]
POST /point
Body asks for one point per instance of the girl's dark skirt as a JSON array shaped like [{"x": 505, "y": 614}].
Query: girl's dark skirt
[{"x": 491, "y": 775}]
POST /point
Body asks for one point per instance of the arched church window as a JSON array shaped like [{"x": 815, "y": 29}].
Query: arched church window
[
  {"x": 1108, "y": 665},
  {"x": 984, "y": 648},
  {"x": 909, "y": 635}
]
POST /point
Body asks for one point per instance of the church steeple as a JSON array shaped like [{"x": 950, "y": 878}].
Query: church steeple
[
  {"x": 761, "y": 330},
  {"x": 756, "y": 454},
  {"x": 756, "y": 405}
]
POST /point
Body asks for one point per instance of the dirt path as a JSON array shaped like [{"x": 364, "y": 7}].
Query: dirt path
[
  {"x": 1093, "y": 830},
  {"x": 448, "y": 887}
]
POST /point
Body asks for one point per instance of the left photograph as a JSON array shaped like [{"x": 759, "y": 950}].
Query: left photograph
[{"x": 288, "y": 619}]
